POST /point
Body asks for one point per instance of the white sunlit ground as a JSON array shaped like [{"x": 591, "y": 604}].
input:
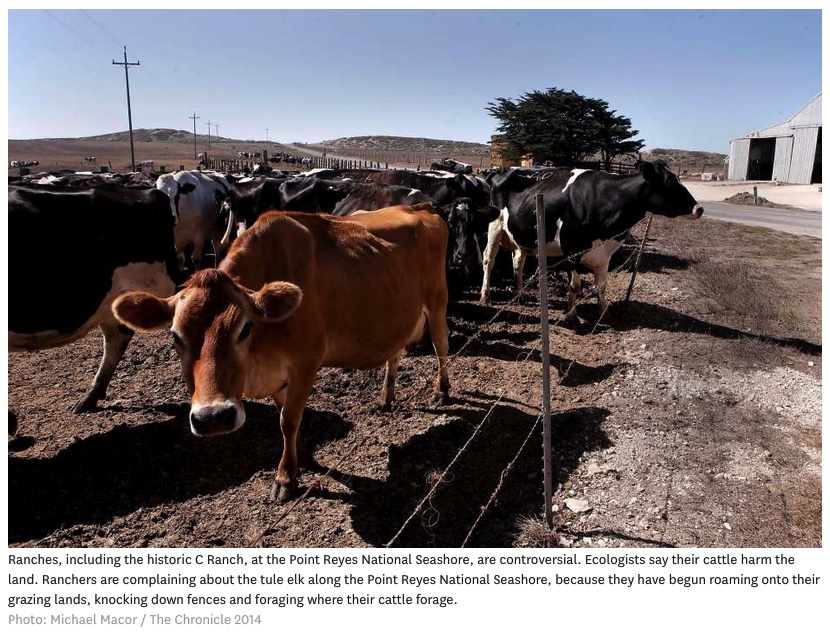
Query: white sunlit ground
[{"x": 802, "y": 196}]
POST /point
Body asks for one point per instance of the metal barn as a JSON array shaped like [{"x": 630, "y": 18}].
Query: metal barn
[{"x": 788, "y": 153}]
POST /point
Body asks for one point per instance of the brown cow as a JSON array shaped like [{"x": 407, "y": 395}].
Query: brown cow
[{"x": 298, "y": 292}]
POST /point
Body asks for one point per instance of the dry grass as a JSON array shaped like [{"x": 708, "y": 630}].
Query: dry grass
[
  {"x": 535, "y": 533},
  {"x": 740, "y": 288}
]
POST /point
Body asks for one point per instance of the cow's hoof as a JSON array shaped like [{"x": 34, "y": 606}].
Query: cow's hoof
[
  {"x": 441, "y": 399},
  {"x": 378, "y": 407},
  {"x": 282, "y": 492},
  {"x": 87, "y": 404}
]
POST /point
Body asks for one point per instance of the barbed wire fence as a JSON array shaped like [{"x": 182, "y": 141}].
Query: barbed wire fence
[{"x": 425, "y": 508}]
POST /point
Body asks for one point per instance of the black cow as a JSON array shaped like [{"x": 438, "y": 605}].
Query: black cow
[
  {"x": 587, "y": 212},
  {"x": 342, "y": 197},
  {"x": 449, "y": 165},
  {"x": 72, "y": 254},
  {"x": 312, "y": 194},
  {"x": 251, "y": 197},
  {"x": 374, "y": 196},
  {"x": 465, "y": 204}
]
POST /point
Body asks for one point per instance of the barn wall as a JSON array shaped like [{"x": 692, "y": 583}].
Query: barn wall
[
  {"x": 796, "y": 143},
  {"x": 783, "y": 158},
  {"x": 804, "y": 154},
  {"x": 738, "y": 159}
]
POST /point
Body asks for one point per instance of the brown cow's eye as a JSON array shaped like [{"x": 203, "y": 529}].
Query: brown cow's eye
[
  {"x": 177, "y": 341},
  {"x": 245, "y": 332}
]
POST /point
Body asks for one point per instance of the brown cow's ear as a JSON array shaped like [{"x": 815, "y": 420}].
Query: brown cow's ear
[
  {"x": 276, "y": 301},
  {"x": 142, "y": 311}
]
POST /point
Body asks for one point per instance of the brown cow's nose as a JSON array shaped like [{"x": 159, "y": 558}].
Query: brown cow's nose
[{"x": 214, "y": 419}]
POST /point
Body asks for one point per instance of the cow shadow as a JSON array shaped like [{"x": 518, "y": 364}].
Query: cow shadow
[
  {"x": 504, "y": 344},
  {"x": 652, "y": 261},
  {"x": 656, "y": 262},
  {"x": 382, "y": 510},
  {"x": 468, "y": 339},
  {"x": 104, "y": 476},
  {"x": 627, "y": 316}
]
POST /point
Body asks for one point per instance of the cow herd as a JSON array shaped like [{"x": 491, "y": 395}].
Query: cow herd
[{"x": 327, "y": 268}]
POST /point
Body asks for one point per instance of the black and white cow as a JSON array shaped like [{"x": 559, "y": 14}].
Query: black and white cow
[
  {"x": 72, "y": 254},
  {"x": 587, "y": 212},
  {"x": 81, "y": 180},
  {"x": 196, "y": 203}
]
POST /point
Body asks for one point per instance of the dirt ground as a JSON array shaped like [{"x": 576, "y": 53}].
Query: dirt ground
[{"x": 689, "y": 416}]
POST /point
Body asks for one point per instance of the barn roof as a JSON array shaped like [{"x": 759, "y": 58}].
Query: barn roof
[{"x": 808, "y": 117}]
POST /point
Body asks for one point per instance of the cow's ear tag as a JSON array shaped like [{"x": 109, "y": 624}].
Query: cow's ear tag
[{"x": 276, "y": 301}]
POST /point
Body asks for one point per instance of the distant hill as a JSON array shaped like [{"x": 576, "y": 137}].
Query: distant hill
[
  {"x": 691, "y": 161},
  {"x": 156, "y": 134},
  {"x": 386, "y": 143},
  {"x": 173, "y": 147},
  {"x": 149, "y": 135}
]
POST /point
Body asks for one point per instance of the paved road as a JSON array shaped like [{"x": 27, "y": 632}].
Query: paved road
[{"x": 793, "y": 221}]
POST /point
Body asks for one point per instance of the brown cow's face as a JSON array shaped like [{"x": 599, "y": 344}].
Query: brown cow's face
[
  {"x": 212, "y": 335},
  {"x": 213, "y": 324}
]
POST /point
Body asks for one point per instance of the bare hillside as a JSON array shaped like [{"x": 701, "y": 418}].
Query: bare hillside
[
  {"x": 408, "y": 144},
  {"x": 174, "y": 148}
]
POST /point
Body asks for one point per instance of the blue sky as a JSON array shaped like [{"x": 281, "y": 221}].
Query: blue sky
[{"x": 692, "y": 79}]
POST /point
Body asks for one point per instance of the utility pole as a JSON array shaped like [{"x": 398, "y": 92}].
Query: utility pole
[
  {"x": 126, "y": 66},
  {"x": 266, "y": 135},
  {"x": 208, "y": 124},
  {"x": 194, "y": 118}
]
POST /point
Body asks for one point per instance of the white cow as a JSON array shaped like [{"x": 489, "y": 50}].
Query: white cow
[{"x": 196, "y": 202}]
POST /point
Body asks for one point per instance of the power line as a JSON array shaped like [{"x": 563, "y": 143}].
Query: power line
[
  {"x": 100, "y": 26},
  {"x": 73, "y": 31}
]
